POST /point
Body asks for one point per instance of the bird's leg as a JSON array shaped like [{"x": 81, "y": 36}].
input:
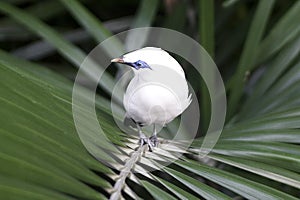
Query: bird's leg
[
  {"x": 152, "y": 141},
  {"x": 153, "y": 138},
  {"x": 143, "y": 139}
]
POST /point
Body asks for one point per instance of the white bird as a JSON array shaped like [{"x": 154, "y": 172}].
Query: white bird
[{"x": 157, "y": 93}]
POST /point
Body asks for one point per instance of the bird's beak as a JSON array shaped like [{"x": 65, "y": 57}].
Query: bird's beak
[{"x": 117, "y": 60}]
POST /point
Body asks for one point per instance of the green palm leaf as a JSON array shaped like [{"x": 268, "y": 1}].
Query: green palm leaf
[{"x": 42, "y": 156}]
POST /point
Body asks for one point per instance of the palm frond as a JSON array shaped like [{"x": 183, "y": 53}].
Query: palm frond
[{"x": 43, "y": 157}]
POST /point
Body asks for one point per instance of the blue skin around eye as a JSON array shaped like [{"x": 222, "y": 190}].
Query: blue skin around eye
[{"x": 139, "y": 65}]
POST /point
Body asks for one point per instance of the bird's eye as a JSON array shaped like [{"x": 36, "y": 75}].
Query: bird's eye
[{"x": 140, "y": 64}]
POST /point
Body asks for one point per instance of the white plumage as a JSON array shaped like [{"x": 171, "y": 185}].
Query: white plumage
[{"x": 158, "y": 91}]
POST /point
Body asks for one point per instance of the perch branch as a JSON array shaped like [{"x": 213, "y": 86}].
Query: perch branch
[{"x": 125, "y": 172}]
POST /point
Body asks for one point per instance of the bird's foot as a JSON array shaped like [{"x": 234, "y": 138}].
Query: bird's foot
[
  {"x": 153, "y": 141},
  {"x": 143, "y": 140}
]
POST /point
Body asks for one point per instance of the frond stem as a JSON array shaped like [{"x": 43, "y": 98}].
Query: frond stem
[{"x": 126, "y": 171}]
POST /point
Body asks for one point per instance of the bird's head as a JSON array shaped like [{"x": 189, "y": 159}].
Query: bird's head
[
  {"x": 156, "y": 59},
  {"x": 138, "y": 64},
  {"x": 145, "y": 58}
]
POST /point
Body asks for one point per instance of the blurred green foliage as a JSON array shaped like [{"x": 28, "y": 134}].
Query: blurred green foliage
[{"x": 255, "y": 45}]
